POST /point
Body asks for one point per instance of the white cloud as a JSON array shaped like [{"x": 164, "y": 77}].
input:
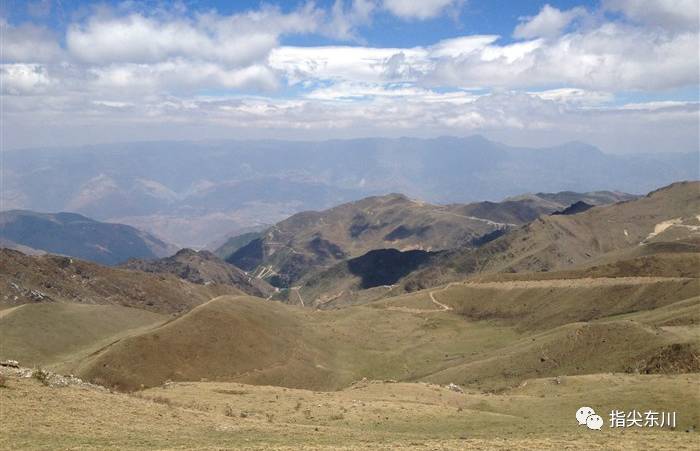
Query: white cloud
[
  {"x": 28, "y": 44},
  {"x": 407, "y": 92},
  {"x": 667, "y": 105},
  {"x": 463, "y": 46},
  {"x": 178, "y": 74},
  {"x": 309, "y": 64},
  {"x": 176, "y": 52},
  {"x": 609, "y": 57},
  {"x": 673, "y": 15},
  {"x": 235, "y": 40},
  {"x": 390, "y": 111},
  {"x": 344, "y": 19},
  {"x": 188, "y": 72},
  {"x": 574, "y": 96},
  {"x": 548, "y": 23},
  {"x": 420, "y": 9},
  {"x": 23, "y": 79}
]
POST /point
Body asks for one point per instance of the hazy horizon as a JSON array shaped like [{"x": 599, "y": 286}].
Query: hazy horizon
[{"x": 321, "y": 139}]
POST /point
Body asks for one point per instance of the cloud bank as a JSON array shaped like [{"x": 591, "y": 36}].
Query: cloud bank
[{"x": 566, "y": 74}]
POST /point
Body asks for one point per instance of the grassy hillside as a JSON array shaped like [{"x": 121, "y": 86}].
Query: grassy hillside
[
  {"x": 245, "y": 339},
  {"x": 357, "y": 280},
  {"x": 203, "y": 268},
  {"x": 617, "y": 329},
  {"x": 543, "y": 304},
  {"x": 574, "y": 349},
  {"x": 219, "y": 340},
  {"x": 489, "y": 335},
  {"x": 550, "y": 243},
  {"x": 528, "y": 207},
  {"x": 49, "y": 278},
  {"x": 54, "y": 333},
  {"x": 312, "y": 240}
]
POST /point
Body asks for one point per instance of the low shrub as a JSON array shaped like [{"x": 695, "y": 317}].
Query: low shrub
[{"x": 42, "y": 376}]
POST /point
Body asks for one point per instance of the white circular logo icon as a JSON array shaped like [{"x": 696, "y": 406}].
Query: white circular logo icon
[
  {"x": 594, "y": 422},
  {"x": 587, "y": 416},
  {"x": 583, "y": 413}
]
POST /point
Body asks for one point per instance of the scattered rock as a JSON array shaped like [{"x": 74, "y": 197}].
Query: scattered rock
[
  {"x": 12, "y": 368},
  {"x": 455, "y": 388},
  {"x": 38, "y": 296}
]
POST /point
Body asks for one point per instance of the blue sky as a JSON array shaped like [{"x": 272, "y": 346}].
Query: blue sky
[
  {"x": 621, "y": 74},
  {"x": 492, "y": 17}
]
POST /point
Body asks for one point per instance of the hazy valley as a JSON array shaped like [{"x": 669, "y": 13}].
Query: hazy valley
[{"x": 193, "y": 194}]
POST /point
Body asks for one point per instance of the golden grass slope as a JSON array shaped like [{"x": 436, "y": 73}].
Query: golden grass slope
[
  {"x": 219, "y": 340},
  {"x": 369, "y": 415},
  {"x": 670, "y": 214},
  {"x": 544, "y": 304},
  {"x": 561, "y": 241},
  {"x": 489, "y": 335},
  {"x": 249, "y": 340},
  {"x": 51, "y": 334}
]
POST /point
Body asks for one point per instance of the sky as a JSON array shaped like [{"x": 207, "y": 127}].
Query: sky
[{"x": 619, "y": 74}]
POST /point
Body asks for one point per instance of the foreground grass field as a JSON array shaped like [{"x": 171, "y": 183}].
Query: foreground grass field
[
  {"x": 486, "y": 335},
  {"x": 243, "y": 372},
  {"x": 369, "y": 414}
]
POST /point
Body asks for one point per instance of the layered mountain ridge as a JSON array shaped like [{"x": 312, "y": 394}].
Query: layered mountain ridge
[{"x": 194, "y": 193}]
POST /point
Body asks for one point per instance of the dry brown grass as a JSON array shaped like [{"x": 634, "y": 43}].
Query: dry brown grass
[{"x": 538, "y": 415}]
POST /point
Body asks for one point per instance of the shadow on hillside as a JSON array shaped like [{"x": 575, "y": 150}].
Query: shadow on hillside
[{"x": 386, "y": 266}]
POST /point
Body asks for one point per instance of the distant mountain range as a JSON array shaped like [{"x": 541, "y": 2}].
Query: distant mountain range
[
  {"x": 195, "y": 193},
  {"x": 310, "y": 241},
  {"x": 77, "y": 236},
  {"x": 291, "y": 249}
]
